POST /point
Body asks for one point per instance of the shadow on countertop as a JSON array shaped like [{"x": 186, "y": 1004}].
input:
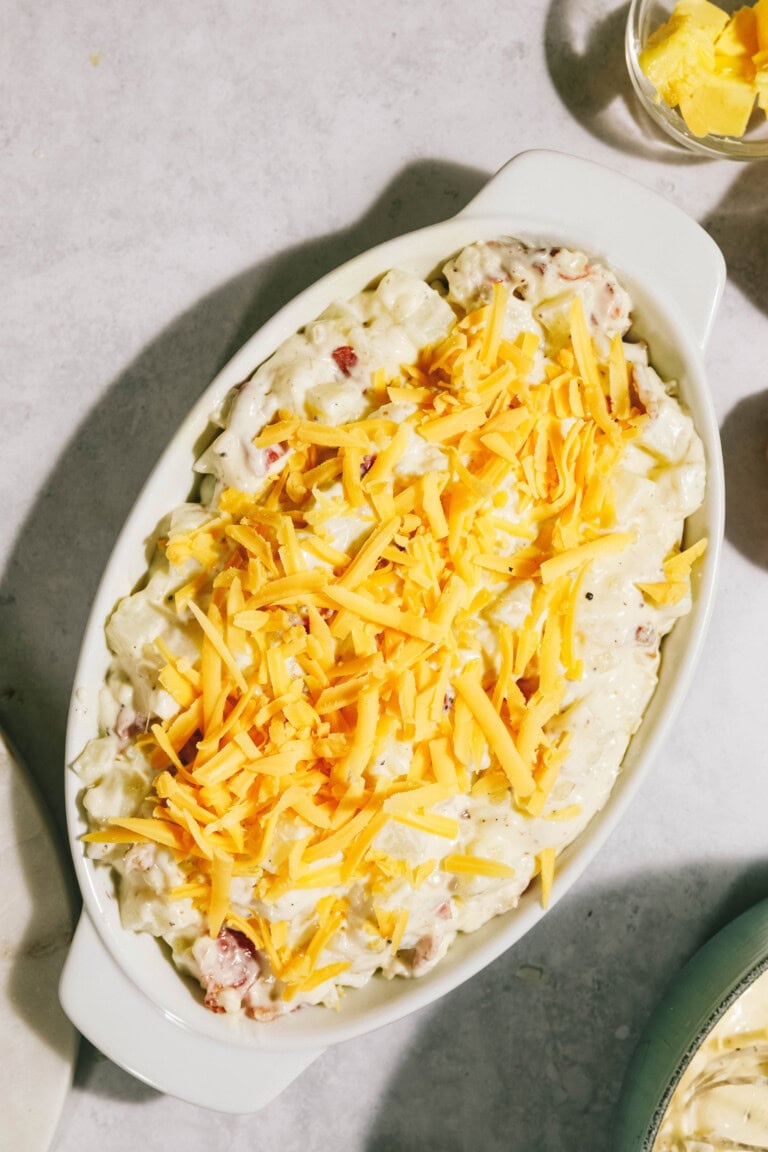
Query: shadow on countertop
[
  {"x": 739, "y": 225},
  {"x": 51, "y": 576},
  {"x": 744, "y": 437},
  {"x": 529, "y": 1056},
  {"x": 584, "y": 48}
]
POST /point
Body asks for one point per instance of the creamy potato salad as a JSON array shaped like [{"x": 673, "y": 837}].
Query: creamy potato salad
[
  {"x": 721, "y": 1102},
  {"x": 388, "y": 666}
]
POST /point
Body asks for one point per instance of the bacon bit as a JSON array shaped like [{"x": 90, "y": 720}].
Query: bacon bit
[
  {"x": 273, "y": 453},
  {"x": 189, "y": 751},
  {"x": 345, "y": 358},
  {"x": 233, "y": 963},
  {"x": 528, "y": 685},
  {"x": 645, "y": 635},
  {"x": 635, "y": 398},
  {"x": 241, "y": 939},
  {"x": 130, "y": 724},
  {"x": 445, "y": 912},
  {"x": 572, "y": 279},
  {"x": 366, "y": 463}
]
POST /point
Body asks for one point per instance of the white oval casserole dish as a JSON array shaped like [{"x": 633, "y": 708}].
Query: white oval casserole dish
[{"x": 118, "y": 987}]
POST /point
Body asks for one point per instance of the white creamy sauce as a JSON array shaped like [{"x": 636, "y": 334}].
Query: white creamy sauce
[
  {"x": 386, "y": 328},
  {"x": 621, "y": 632},
  {"x": 721, "y": 1101},
  {"x": 543, "y": 283}
]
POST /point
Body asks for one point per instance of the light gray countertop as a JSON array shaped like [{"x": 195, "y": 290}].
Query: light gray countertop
[{"x": 170, "y": 176}]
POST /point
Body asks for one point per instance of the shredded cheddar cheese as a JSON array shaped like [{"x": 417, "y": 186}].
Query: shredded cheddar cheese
[
  {"x": 546, "y": 863},
  {"x": 313, "y": 655}
]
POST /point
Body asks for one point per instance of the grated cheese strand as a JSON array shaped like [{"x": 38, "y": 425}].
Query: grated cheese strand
[{"x": 496, "y": 732}]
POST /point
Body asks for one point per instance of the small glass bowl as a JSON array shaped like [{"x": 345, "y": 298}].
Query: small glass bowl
[{"x": 645, "y": 16}]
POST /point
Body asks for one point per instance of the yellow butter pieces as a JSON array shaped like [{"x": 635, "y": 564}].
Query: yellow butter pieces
[
  {"x": 681, "y": 48},
  {"x": 710, "y": 66}
]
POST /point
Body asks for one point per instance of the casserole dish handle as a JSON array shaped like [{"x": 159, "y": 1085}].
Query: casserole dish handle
[
  {"x": 108, "y": 1010},
  {"x": 610, "y": 213}
]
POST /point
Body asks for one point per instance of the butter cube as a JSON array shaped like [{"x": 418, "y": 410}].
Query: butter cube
[
  {"x": 739, "y": 37},
  {"x": 720, "y": 103},
  {"x": 704, "y": 14},
  {"x": 761, "y": 23},
  {"x": 760, "y": 61},
  {"x": 675, "y": 52}
]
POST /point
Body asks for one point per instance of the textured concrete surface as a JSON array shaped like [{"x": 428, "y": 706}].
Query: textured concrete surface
[{"x": 171, "y": 175}]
